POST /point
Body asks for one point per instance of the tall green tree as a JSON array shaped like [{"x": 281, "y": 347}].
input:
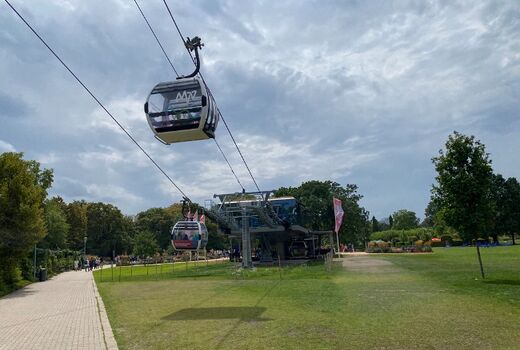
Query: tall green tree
[
  {"x": 375, "y": 224},
  {"x": 23, "y": 188},
  {"x": 144, "y": 244},
  {"x": 463, "y": 189},
  {"x": 159, "y": 221},
  {"x": 129, "y": 232},
  {"x": 430, "y": 214},
  {"x": 506, "y": 195},
  {"x": 105, "y": 229},
  {"x": 391, "y": 222},
  {"x": 56, "y": 223},
  {"x": 315, "y": 198},
  {"x": 77, "y": 219},
  {"x": 405, "y": 220}
]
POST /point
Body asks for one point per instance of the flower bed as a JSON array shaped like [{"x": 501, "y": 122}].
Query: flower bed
[{"x": 386, "y": 247}]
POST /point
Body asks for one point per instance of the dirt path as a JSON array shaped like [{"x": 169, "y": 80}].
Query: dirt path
[{"x": 367, "y": 263}]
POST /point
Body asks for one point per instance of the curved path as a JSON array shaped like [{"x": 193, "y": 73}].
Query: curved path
[{"x": 65, "y": 312}]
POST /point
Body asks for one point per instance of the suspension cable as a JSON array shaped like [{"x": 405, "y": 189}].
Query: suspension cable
[
  {"x": 168, "y": 58},
  {"x": 98, "y": 101},
  {"x": 220, "y": 114},
  {"x": 156, "y": 38},
  {"x": 230, "y": 167},
  {"x": 176, "y": 26},
  {"x": 239, "y": 152}
]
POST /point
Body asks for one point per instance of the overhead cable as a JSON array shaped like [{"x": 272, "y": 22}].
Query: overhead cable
[
  {"x": 221, "y": 116},
  {"x": 230, "y": 167},
  {"x": 156, "y": 38},
  {"x": 97, "y": 100},
  {"x": 168, "y": 58}
]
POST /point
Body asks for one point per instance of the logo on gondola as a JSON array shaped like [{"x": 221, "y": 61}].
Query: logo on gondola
[{"x": 186, "y": 96}]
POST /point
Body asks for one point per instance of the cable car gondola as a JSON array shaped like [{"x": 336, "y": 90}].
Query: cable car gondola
[
  {"x": 189, "y": 235},
  {"x": 298, "y": 249},
  {"x": 183, "y": 109}
]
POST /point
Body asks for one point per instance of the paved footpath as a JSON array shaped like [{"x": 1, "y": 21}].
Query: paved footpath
[{"x": 65, "y": 312}]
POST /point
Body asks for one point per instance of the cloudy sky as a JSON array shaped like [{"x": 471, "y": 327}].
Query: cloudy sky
[{"x": 362, "y": 92}]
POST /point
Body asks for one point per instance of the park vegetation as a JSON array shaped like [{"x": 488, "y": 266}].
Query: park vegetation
[
  {"x": 54, "y": 233},
  {"x": 469, "y": 204}
]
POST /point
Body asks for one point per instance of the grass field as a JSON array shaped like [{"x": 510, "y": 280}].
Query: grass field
[{"x": 423, "y": 301}]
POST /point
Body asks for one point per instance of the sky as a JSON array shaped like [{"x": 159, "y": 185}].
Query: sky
[{"x": 357, "y": 92}]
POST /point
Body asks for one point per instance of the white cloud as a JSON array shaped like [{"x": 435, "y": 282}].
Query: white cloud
[
  {"x": 353, "y": 92},
  {"x": 6, "y": 147},
  {"x": 112, "y": 194}
]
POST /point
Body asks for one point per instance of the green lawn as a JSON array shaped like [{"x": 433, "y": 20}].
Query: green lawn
[{"x": 423, "y": 301}]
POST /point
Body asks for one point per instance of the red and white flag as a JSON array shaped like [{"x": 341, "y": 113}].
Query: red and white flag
[
  {"x": 202, "y": 219},
  {"x": 338, "y": 214}
]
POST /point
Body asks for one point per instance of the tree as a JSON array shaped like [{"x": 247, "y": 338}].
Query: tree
[
  {"x": 159, "y": 221},
  {"x": 430, "y": 214},
  {"x": 56, "y": 223},
  {"x": 23, "y": 188},
  {"x": 315, "y": 198},
  {"x": 105, "y": 229},
  {"x": 375, "y": 224},
  {"x": 144, "y": 244},
  {"x": 391, "y": 222},
  {"x": 217, "y": 240},
  {"x": 463, "y": 190},
  {"x": 506, "y": 196},
  {"x": 405, "y": 220},
  {"x": 383, "y": 225},
  {"x": 129, "y": 232},
  {"x": 77, "y": 219}
]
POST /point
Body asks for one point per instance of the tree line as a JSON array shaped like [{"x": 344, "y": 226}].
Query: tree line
[
  {"x": 28, "y": 219},
  {"x": 469, "y": 200}
]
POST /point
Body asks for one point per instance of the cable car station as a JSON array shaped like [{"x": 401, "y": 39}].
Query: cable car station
[{"x": 276, "y": 224}]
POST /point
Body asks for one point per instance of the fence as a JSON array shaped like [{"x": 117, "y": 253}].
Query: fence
[
  {"x": 159, "y": 271},
  {"x": 214, "y": 269}
]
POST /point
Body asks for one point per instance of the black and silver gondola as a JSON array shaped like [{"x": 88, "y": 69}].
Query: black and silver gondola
[
  {"x": 189, "y": 235},
  {"x": 183, "y": 109}
]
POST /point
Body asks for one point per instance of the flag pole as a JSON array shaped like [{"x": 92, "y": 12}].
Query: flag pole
[{"x": 338, "y": 220}]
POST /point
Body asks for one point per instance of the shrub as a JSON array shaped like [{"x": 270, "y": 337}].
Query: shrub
[
  {"x": 437, "y": 243},
  {"x": 446, "y": 239},
  {"x": 124, "y": 260},
  {"x": 383, "y": 244},
  {"x": 404, "y": 236},
  {"x": 457, "y": 242},
  {"x": 379, "y": 247},
  {"x": 480, "y": 241}
]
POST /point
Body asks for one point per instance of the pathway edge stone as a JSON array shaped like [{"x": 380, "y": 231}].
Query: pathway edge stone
[{"x": 108, "y": 335}]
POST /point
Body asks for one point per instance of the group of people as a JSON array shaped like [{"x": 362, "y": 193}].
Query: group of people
[
  {"x": 346, "y": 248},
  {"x": 88, "y": 264},
  {"x": 180, "y": 236}
]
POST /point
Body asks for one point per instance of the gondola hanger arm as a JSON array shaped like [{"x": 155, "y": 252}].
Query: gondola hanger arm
[{"x": 193, "y": 45}]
